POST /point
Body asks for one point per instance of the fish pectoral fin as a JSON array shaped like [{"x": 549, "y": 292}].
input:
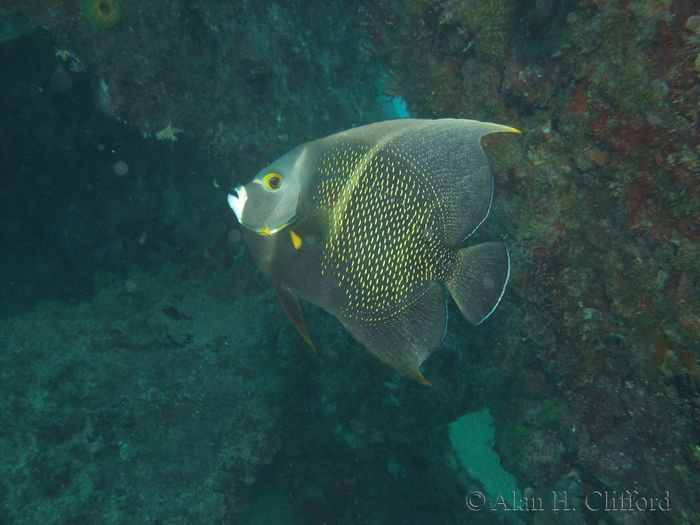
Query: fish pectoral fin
[
  {"x": 406, "y": 339},
  {"x": 479, "y": 278},
  {"x": 314, "y": 229},
  {"x": 292, "y": 307}
]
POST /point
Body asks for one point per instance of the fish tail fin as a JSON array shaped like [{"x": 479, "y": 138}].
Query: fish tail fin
[{"x": 479, "y": 278}]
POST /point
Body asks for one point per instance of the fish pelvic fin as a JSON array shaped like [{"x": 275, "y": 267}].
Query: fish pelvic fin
[
  {"x": 292, "y": 307},
  {"x": 478, "y": 279}
]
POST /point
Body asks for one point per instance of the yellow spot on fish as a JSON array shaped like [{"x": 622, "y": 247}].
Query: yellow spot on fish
[{"x": 296, "y": 240}]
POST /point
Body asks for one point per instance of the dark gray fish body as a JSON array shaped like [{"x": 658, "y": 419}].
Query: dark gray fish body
[{"x": 368, "y": 224}]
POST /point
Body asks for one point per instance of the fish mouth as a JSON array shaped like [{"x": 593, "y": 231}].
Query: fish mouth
[{"x": 237, "y": 202}]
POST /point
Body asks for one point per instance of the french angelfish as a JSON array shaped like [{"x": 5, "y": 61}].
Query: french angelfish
[{"x": 369, "y": 224}]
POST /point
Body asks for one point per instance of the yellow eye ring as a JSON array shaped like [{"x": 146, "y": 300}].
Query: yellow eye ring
[{"x": 272, "y": 182}]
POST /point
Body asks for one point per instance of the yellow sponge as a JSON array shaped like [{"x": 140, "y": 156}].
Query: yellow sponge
[{"x": 102, "y": 14}]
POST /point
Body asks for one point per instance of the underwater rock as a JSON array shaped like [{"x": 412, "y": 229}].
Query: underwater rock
[{"x": 102, "y": 14}]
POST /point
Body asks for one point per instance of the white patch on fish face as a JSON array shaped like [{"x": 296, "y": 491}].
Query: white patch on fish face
[
  {"x": 267, "y": 211},
  {"x": 237, "y": 203}
]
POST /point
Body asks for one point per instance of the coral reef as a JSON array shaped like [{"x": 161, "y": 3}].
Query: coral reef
[
  {"x": 225, "y": 73},
  {"x": 601, "y": 212},
  {"x": 102, "y": 14},
  {"x": 489, "y": 24}
]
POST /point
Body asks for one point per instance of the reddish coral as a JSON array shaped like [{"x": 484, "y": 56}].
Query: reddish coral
[{"x": 578, "y": 104}]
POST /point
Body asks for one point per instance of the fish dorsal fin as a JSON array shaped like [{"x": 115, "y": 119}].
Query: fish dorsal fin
[{"x": 448, "y": 157}]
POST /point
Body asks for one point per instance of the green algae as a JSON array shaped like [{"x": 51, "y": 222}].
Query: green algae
[{"x": 472, "y": 436}]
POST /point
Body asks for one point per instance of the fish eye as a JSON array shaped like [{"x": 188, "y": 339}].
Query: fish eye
[{"x": 272, "y": 182}]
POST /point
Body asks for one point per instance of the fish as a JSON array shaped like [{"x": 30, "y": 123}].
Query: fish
[
  {"x": 15, "y": 25},
  {"x": 370, "y": 223}
]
